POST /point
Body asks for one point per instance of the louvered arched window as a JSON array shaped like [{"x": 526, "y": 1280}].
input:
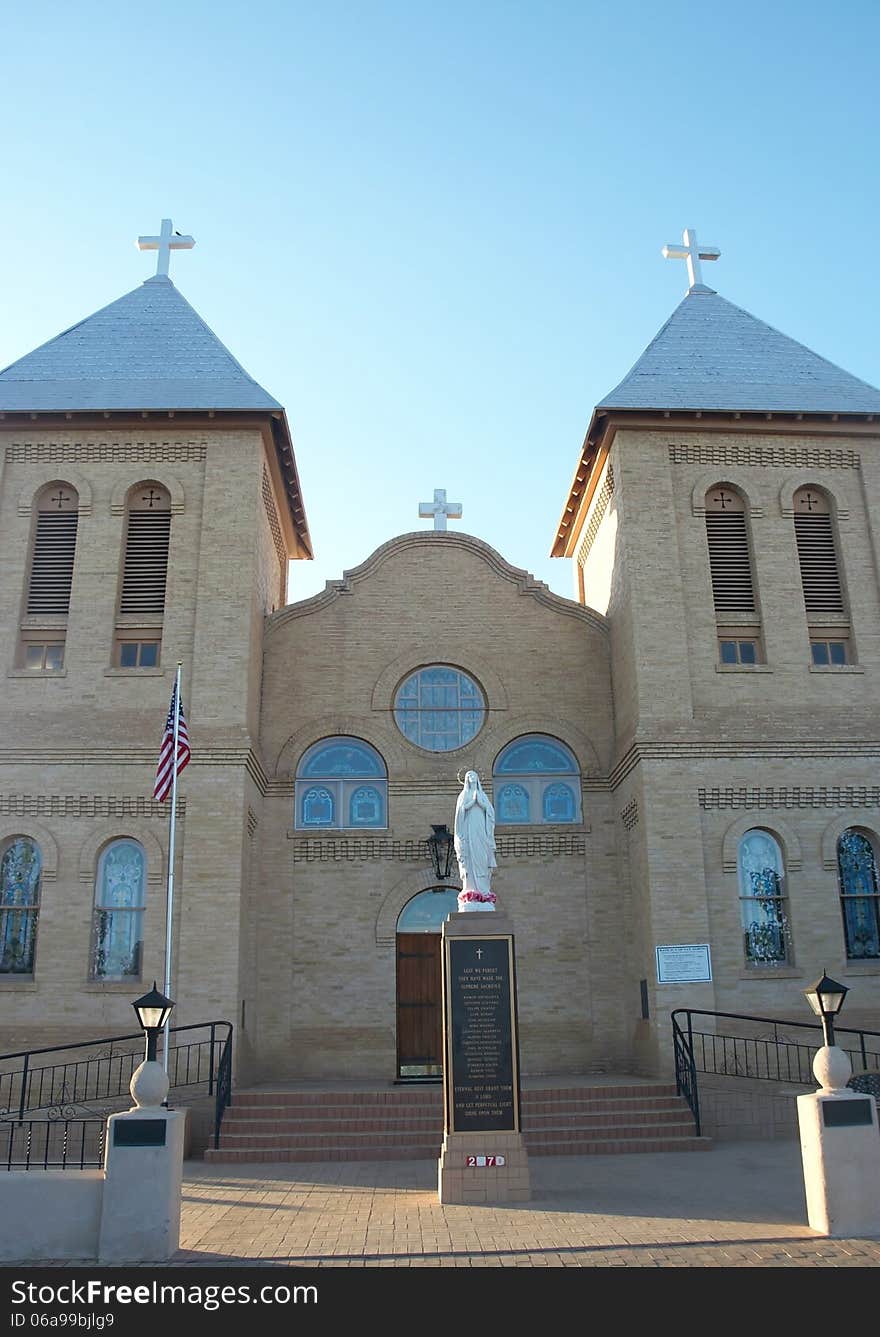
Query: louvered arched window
[
  {"x": 824, "y": 601},
  {"x": 341, "y": 782},
  {"x": 120, "y": 886},
  {"x": 733, "y": 587},
  {"x": 536, "y": 779},
  {"x": 144, "y": 575},
  {"x": 20, "y": 868},
  {"x": 50, "y": 578}
]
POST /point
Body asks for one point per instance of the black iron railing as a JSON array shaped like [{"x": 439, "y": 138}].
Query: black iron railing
[
  {"x": 782, "y": 1053},
  {"x": 61, "y": 1144},
  {"x": 93, "y": 1076}
]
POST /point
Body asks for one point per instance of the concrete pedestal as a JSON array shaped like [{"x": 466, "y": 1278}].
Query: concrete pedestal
[
  {"x": 840, "y": 1149},
  {"x": 483, "y": 1159},
  {"x": 140, "y": 1215},
  {"x": 468, "y": 1170}
]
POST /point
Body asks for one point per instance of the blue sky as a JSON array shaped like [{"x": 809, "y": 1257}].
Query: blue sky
[{"x": 433, "y": 230}]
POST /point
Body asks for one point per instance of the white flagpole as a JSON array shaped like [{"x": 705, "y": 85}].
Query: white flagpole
[{"x": 169, "y": 900}]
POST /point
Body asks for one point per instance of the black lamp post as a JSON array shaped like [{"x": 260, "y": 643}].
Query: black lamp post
[
  {"x": 152, "y": 1011},
  {"x": 826, "y": 999},
  {"x": 441, "y": 847}
]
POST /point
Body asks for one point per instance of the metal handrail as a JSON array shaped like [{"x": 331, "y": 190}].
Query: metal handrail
[
  {"x": 63, "y": 1087},
  {"x": 759, "y": 1057}
]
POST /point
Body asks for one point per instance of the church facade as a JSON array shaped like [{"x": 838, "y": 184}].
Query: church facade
[{"x": 682, "y": 758}]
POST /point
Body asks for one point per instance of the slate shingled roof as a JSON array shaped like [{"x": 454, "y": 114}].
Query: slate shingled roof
[
  {"x": 711, "y": 354},
  {"x": 148, "y": 350}
]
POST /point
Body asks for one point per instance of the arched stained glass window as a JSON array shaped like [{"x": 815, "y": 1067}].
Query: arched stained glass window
[
  {"x": 859, "y": 895},
  {"x": 118, "y": 937},
  {"x": 557, "y": 804},
  {"x": 536, "y": 794},
  {"x": 365, "y": 807},
  {"x": 512, "y": 804},
  {"x": 535, "y": 755},
  {"x": 439, "y": 708},
  {"x": 20, "y": 869},
  {"x": 766, "y": 936},
  {"x": 317, "y": 807},
  {"x": 427, "y": 911},
  {"x": 330, "y": 788}
]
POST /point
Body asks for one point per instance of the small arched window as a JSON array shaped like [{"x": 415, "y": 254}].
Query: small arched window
[
  {"x": 859, "y": 895},
  {"x": 763, "y": 910},
  {"x": 144, "y": 577},
  {"x": 20, "y": 868},
  {"x": 824, "y": 602},
  {"x": 341, "y": 782},
  {"x": 118, "y": 936},
  {"x": 733, "y": 588},
  {"x": 428, "y": 910},
  {"x": 528, "y": 782},
  {"x": 50, "y": 579}
]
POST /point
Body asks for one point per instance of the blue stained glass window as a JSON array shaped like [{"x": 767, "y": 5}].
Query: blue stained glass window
[
  {"x": 535, "y": 756},
  {"x": 426, "y": 912},
  {"x": 536, "y": 795},
  {"x": 513, "y": 804},
  {"x": 119, "y": 913},
  {"x": 365, "y": 807},
  {"x": 558, "y": 803},
  {"x": 317, "y": 807},
  {"x": 762, "y": 900},
  {"x": 330, "y": 788},
  {"x": 20, "y": 870},
  {"x": 340, "y": 757},
  {"x": 859, "y": 896},
  {"x": 439, "y": 708}
]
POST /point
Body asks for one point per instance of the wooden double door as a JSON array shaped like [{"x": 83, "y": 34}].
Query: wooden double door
[{"x": 419, "y": 1005}]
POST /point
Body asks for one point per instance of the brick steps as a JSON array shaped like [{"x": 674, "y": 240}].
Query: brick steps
[{"x": 406, "y": 1123}]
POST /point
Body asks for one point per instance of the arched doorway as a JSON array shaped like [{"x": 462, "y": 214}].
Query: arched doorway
[{"x": 419, "y": 983}]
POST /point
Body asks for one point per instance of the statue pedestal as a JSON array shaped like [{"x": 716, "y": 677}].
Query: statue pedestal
[{"x": 483, "y": 1159}]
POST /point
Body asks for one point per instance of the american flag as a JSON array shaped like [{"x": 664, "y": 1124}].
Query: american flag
[{"x": 164, "y": 775}]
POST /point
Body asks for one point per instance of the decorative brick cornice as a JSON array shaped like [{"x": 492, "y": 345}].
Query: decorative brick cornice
[
  {"x": 791, "y": 796},
  {"x": 329, "y": 849},
  {"x": 110, "y": 756},
  {"x": 87, "y": 805},
  {"x": 740, "y": 750},
  {"x": 777, "y": 457},
  {"x": 106, "y": 452}
]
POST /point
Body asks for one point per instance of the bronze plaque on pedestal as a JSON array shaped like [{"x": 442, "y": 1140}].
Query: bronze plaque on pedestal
[{"x": 481, "y": 1068}]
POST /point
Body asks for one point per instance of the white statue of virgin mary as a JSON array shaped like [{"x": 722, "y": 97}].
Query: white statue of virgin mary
[{"x": 474, "y": 843}]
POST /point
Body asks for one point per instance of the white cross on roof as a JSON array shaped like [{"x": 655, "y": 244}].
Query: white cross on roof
[
  {"x": 693, "y": 253},
  {"x": 440, "y": 508},
  {"x": 165, "y": 243}
]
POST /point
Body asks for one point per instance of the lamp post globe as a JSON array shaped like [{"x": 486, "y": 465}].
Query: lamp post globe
[
  {"x": 149, "y": 1082},
  {"x": 831, "y": 1066}
]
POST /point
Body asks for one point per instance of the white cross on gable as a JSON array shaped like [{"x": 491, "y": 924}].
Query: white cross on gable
[
  {"x": 440, "y": 508},
  {"x": 693, "y": 253},
  {"x": 166, "y": 242}
]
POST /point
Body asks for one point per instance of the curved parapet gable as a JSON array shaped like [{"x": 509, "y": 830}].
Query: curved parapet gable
[{"x": 526, "y": 583}]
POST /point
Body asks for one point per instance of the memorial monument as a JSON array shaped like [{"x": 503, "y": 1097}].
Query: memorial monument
[{"x": 483, "y": 1158}]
